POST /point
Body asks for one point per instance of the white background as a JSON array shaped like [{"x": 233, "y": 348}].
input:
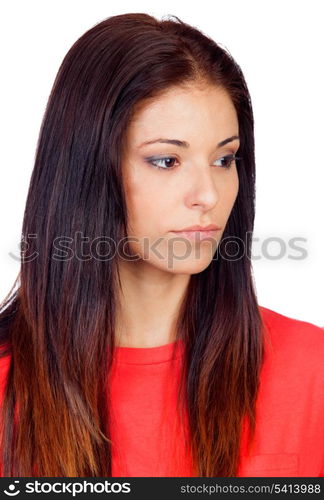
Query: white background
[{"x": 279, "y": 46}]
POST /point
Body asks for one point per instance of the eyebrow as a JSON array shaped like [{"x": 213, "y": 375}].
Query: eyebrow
[{"x": 185, "y": 144}]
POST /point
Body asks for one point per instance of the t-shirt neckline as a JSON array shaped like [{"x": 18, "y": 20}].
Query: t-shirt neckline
[{"x": 149, "y": 355}]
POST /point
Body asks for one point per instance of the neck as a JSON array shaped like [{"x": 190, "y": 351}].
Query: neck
[{"x": 149, "y": 302}]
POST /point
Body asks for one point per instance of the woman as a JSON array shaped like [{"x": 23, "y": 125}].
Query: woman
[{"x": 143, "y": 351}]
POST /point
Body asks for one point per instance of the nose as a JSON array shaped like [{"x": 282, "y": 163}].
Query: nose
[{"x": 203, "y": 188}]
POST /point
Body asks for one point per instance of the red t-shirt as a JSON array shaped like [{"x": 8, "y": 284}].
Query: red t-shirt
[{"x": 149, "y": 441}]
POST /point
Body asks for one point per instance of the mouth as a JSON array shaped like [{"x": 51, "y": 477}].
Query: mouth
[{"x": 197, "y": 235}]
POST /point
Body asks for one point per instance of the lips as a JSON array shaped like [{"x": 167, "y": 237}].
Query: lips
[
  {"x": 196, "y": 235},
  {"x": 210, "y": 227}
]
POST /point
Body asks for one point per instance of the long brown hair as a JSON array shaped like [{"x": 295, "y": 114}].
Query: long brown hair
[{"x": 58, "y": 325}]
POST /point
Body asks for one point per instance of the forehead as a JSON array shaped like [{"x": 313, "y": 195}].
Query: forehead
[{"x": 184, "y": 108}]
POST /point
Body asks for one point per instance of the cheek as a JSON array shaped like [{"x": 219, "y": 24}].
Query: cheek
[
  {"x": 146, "y": 203},
  {"x": 229, "y": 195},
  {"x": 232, "y": 191}
]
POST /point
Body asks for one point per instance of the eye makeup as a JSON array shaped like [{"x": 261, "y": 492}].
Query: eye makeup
[{"x": 153, "y": 160}]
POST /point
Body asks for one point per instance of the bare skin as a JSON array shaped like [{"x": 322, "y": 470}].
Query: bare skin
[{"x": 196, "y": 189}]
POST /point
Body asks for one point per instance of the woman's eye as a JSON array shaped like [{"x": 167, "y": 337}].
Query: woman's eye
[
  {"x": 167, "y": 162},
  {"x": 228, "y": 159}
]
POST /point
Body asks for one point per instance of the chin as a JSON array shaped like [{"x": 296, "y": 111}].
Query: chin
[{"x": 187, "y": 266}]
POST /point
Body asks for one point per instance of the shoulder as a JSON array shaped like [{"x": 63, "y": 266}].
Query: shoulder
[
  {"x": 293, "y": 337},
  {"x": 5, "y": 359},
  {"x": 281, "y": 324}
]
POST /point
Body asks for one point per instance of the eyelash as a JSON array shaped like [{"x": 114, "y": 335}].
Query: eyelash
[{"x": 230, "y": 158}]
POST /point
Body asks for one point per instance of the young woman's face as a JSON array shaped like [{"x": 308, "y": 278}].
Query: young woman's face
[{"x": 192, "y": 185}]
